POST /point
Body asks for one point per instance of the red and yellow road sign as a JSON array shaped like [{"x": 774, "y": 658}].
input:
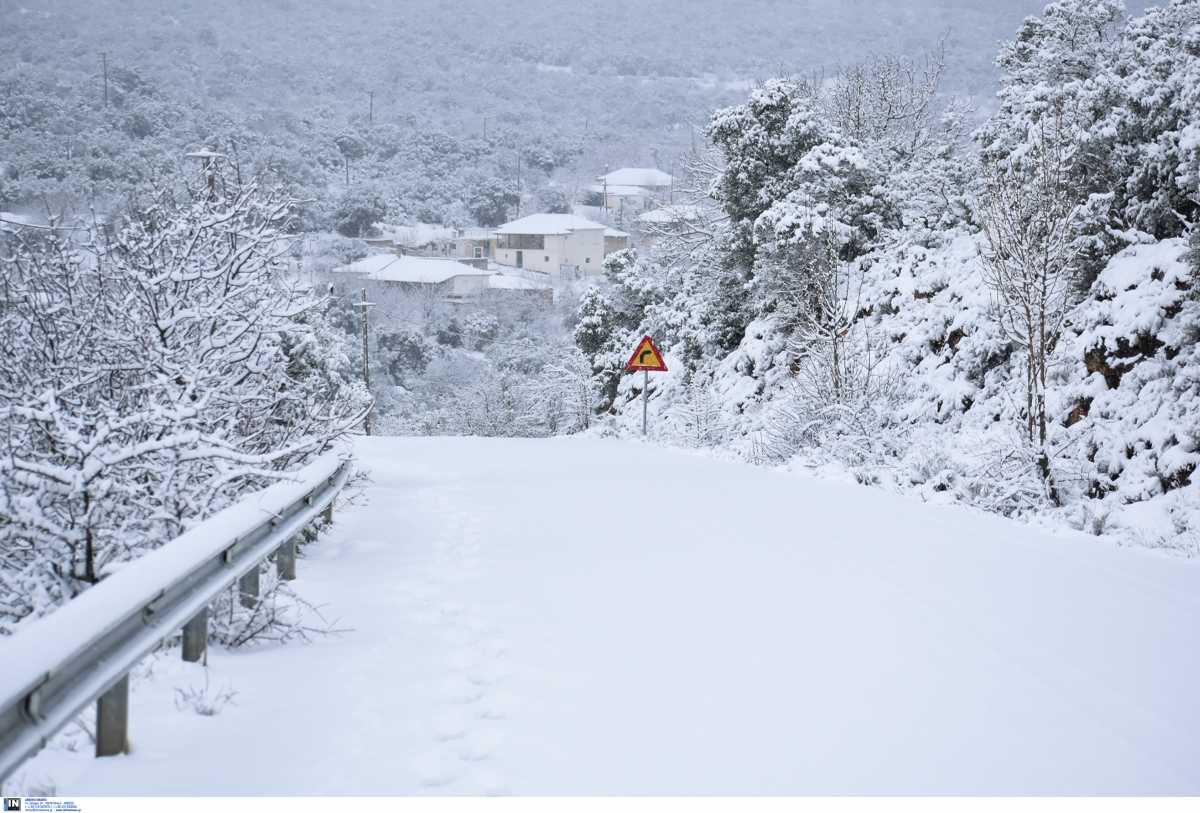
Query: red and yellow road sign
[{"x": 647, "y": 357}]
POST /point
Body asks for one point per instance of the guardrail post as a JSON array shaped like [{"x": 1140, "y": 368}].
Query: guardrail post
[
  {"x": 112, "y": 720},
  {"x": 248, "y": 587},
  {"x": 329, "y": 513},
  {"x": 195, "y": 637},
  {"x": 285, "y": 560}
]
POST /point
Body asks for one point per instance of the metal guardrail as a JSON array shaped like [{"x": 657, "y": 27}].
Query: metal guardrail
[{"x": 83, "y": 651}]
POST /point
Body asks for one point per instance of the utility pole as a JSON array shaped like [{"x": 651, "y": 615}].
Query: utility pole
[
  {"x": 604, "y": 192},
  {"x": 104, "y": 61},
  {"x": 485, "y": 128},
  {"x": 371, "y": 109},
  {"x": 366, "y": 368},
  {"x": 518, "y": 181}
]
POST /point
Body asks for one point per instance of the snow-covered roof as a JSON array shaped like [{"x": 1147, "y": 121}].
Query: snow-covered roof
[
  {"x": 367, "y": 265},
  {"x": 430, "y": 270},
  {"x": 618, "y": 190},
  {"x": 474, "y": 233},
  {"x": 516, "y": 283},
  {"x": 611, "y": 232},
  {"x": 427, "y": 270},
  {"x": 548, "y": 223},
  {"x": 637, "y": 176}
]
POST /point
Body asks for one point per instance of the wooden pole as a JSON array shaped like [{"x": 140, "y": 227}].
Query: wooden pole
[
  {"x": 112, "y": 720},
  {"x": 104, "y": 59}
]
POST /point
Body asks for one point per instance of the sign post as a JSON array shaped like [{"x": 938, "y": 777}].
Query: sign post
[
  {"x": 645, "y": 399},
  {"x": 647, "y": 358}
]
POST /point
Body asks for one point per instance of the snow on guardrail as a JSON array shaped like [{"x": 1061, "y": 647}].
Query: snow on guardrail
[{"x": 57, "y": 664}]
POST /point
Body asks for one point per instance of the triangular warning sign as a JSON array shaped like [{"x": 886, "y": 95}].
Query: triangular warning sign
[{"x": 647, "y": 356}]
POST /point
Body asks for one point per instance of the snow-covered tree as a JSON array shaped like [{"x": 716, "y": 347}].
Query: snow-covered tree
[
  {"x": 151, "y": 372},
  {"x": 597, "y": 335}
]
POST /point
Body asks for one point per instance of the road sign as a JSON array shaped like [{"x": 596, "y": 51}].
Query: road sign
[{"x": 646, "y": 357}]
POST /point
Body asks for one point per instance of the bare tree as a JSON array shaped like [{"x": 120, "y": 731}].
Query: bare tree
[
  {"x": 693, "y": 221},
  {"x": 889, "y": 101},
  {"x": 1031, "y": 263},
  {"x": 843, "y": 397}
]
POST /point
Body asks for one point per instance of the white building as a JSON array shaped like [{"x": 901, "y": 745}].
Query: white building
[
  {"x": 446, "y": 278},
  {"x": 556, "y": 243},
  {"x": 647, "y": 178},
  {"x": 474, "y": 243},
  {"x": 630, "y": 190}
]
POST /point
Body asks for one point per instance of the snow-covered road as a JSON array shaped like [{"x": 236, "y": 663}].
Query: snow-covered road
[{"x": 581, "y": 616}]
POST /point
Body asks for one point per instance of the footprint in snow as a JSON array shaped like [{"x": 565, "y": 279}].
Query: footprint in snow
[
  {"x": 486, "y": 674},
  {"x": 478, "y": 745},
  {"x": 437, "y": 768},
  {"x": 490, "y": 782},
  {"x": 495, "y": 706},
  {"x": 457, "y": 689},
  {"x": 451, "y": 724}
]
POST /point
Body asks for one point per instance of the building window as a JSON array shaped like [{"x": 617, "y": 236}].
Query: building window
[
  {"x": 587, "y": 260},
  {"x": 478, "y": 252},
  {"x": 547, "y": 258},
  {"x": 522, "y": 241}
]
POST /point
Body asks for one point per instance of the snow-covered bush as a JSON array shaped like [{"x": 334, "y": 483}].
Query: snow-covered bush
[
  {"x": 152, "y": 372},
  {"x": 1091, "y": 403},
  {"x": 1134, "y": 396},
  {"x": 204, "y": 700}
]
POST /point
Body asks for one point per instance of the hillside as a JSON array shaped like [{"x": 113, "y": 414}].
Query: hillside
[{"x": 459, "y": 89}]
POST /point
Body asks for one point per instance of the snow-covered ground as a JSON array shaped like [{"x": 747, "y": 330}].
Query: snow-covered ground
[{"x": 588, "y": 616}]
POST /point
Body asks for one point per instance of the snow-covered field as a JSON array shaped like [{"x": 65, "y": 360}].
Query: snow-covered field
[{"x": 586, "y": 616}]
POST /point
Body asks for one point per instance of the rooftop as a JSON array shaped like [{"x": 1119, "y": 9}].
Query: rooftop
[
  {"x": 516, "y": 283},
  {"x": 393, "y": 268},
  {"x": 547, "y": 223},
  {"x": 636, "y": 176},
  {"x": 618, "y": 190}
]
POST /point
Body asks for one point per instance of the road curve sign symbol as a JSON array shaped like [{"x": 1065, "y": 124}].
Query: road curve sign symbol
[{"x": 647, "y": 357}]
